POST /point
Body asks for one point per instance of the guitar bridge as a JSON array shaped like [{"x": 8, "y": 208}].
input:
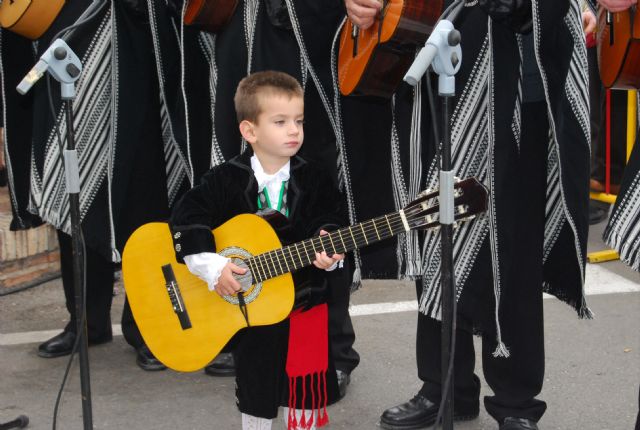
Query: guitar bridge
[{"x": 173, "y": 289}]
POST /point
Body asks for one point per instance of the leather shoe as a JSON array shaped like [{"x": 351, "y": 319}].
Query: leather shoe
[
  {"x": 418, "y": 413},
  {"x": 147, "y": 361},
  {"x": 513, "y": 423},
  {"x": 62, "y": 344},
  {"x": 343, "y": 380},
  {"x": 222, "y": 365},
  {"x": 57, "y": 346}
]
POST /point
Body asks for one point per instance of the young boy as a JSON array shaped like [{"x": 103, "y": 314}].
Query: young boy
[{"x": 270, "y": 111}]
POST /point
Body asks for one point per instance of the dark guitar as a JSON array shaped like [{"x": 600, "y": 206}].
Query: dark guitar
[
  {"x": 209, "y": 15},
  {"x": 185, "y": 325},
  {"x": 372, "y": 62},
  {"x": 619, "y": 48}
]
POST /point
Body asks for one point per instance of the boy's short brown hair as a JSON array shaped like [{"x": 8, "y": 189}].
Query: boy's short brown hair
[{"x": 260, "y": 83}]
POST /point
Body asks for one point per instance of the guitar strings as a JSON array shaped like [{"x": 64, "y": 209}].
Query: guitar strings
[{"x": 270, "y": 258}]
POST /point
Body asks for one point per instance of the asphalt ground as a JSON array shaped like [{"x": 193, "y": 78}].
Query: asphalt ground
[{"x": 591, "y": 381}]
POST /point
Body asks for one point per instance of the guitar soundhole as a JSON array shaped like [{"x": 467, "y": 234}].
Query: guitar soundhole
[{"x": 251, "y": 291}]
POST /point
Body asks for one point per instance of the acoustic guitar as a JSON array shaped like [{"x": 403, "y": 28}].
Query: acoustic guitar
[
  {"x": 29, "y": 18},
  {"x": 619, "y": 48},
  {"x": 372, "y": 62},
  {"x": 185, "y": 325},
  {"x": 209, "y": 15}
]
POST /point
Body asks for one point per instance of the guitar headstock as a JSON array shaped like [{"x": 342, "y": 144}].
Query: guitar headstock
[{"x": 470, "y": 199}]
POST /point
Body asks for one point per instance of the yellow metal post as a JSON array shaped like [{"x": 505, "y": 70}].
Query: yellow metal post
[{"x": 632, "y": 119}]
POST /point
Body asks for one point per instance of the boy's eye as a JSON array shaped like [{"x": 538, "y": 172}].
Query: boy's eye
[
  {"x": 300, "y": 122},
  {"x": 280, "y": 122}
]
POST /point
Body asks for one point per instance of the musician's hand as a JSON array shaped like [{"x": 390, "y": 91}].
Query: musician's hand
[
  {"x": 363, "y": 12},
  {"x": 589, "y": 21},
  {"x": 228, "y": 285},
  {"x": 617, "y": 5},
  {"x": 323, "y": 261}
]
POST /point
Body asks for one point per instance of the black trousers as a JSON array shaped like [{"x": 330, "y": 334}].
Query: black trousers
[
  {"x": 341, "y": 333},
  {"x": 99, "y": 276},
  {"x": 516, "y": 380},
  {"x": 100, "y": 279}
]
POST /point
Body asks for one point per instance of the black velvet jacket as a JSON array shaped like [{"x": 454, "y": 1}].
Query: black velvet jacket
[{"x": 231, "y": 189}]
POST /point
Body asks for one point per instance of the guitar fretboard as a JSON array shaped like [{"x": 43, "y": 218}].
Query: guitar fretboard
[{"x": 302, "y": 254}]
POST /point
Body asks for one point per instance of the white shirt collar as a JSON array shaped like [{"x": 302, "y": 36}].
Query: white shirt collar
[{"x": 264, "y": 179}]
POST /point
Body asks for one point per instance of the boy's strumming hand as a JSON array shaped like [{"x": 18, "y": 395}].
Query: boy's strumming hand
[
  {"x": 228, "y": 285},
  {"x": 323, "y": 261}
]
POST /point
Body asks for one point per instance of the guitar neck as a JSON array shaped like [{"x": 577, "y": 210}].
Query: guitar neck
[{"x": 302, "y": 254}]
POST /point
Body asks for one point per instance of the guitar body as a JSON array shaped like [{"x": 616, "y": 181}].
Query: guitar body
[
  {"x": 209, "y": 15},
  {"x": 383, "y": 52},
  {"x": 213, "y": 320},
  {"x": 619, "y": 49},
  {"x": 29, "y": 18}
]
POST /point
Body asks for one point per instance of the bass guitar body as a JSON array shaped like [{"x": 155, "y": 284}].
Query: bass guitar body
[
  {"x": 372, "y": 62},
  {"x": 183, "y": 323},
  {"x": 29, "y": 18},
  {"x": 619, "y": 48}
]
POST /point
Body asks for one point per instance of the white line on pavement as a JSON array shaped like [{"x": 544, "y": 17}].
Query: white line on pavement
[{"x": 599, "y": 281}]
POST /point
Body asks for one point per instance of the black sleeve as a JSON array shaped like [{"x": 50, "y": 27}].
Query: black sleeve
[{"x": 198, "y": 212}]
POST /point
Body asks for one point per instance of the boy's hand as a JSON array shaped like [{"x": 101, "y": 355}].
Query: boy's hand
[
  {"x": 228, "y": 285},
  {"x": 323, "y": 261}
]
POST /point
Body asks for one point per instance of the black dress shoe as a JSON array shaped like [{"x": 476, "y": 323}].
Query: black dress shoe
[
  {"x": 222, "y": 365},
  {"x": 418, "y": 413},
  {"x": 343, "y": 380},
  {"x": 62, "y": 344},
  {"x": 57, "y": 346},
  {"x": 512, "y": 423},
  {"x": 147, "y": 361}
]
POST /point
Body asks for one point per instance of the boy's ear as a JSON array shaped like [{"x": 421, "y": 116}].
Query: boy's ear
[{"x": 247, "y": 131}]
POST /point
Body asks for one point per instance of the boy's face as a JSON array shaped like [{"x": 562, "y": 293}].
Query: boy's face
[{"x": 278, "y": 132}]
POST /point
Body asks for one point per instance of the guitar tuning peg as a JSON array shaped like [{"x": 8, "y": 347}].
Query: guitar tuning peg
[{"x": 457, "y": 179}]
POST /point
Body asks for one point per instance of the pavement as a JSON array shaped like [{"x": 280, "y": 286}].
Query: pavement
[{"x": 591, "y": 381}]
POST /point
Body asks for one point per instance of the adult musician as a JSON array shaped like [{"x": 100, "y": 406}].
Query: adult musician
[
  {"x": 120, "y": 148},
  {"x": 620, "y": 233},
  {"x": 260, "y": 35},
  {"x": 505, "y": 259}
]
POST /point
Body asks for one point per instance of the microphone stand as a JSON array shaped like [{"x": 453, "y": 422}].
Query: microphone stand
[
  {"x": 442, "y": 51},
  {"x": 65, "y": 66}
]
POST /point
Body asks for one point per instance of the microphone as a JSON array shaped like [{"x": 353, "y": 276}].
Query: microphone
[
  {"x": 441, "y": 48},
  {"x": 54, "y": 52}
]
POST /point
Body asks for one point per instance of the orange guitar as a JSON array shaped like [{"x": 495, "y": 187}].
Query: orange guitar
[
  {"x": 619, "y": 48},
  {"x": 372, "y": 62},
  {"x": 209, "y": 15},
  {"x": 29, "y": 18}
]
